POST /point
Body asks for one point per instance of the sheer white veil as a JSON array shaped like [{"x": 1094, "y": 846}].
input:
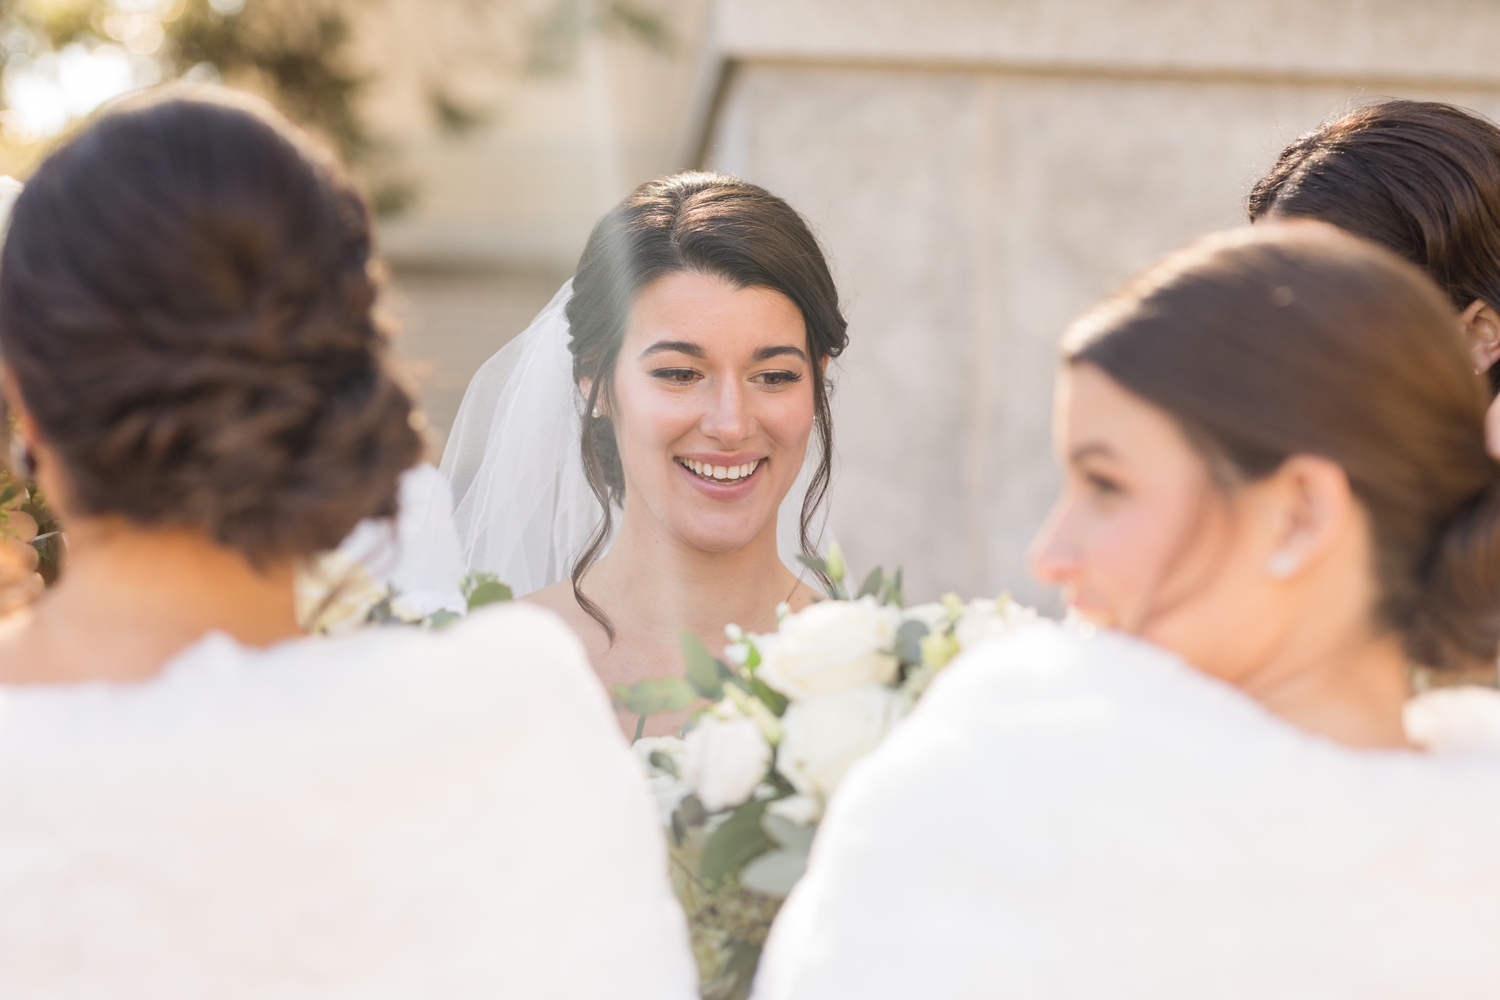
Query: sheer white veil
[{"x": 522, "y": 504}]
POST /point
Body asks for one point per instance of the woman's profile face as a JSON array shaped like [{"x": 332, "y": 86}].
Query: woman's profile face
[
  {"x": 712, "y": 407},
  {"x": 1142, "y": 540}
]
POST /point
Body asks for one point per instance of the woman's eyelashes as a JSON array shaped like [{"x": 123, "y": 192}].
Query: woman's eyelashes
[
  {"x": 777, "y": 379},
  {"x": 687, "y": 376},
  {"x": 677, "y": 376}
]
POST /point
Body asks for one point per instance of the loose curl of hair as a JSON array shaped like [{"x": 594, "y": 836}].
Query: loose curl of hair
[
  {"x": 710, "y": 224},
  {"x": 186, "y": 307},
  {"x": 1298, "y": 338}
]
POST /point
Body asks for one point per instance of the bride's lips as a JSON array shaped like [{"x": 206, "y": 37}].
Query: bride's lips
[{"x": 709, "y": 468}]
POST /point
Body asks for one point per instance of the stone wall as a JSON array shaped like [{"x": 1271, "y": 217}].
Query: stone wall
[{"x": 981, "y": 171}]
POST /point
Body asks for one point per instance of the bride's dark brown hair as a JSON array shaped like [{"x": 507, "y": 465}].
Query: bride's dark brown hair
[
  {"x": 1298, "y": 338},
  {"x": 186, "y": 306},
  {"x": 710, "y": 224}
]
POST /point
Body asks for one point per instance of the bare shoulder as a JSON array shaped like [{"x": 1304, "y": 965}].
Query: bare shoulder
[{"x": 559, "y": 599}]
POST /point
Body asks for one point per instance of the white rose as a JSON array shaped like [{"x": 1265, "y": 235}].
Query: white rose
[
  {"x": 824, "y": 736},
  {"x": 335, "y": 594},
  {"x": 982, "y": 620},
  {"x": 831, "y": 646},
  {"x": 668, "y": 788},
  {"x": 724, "y": 760}
]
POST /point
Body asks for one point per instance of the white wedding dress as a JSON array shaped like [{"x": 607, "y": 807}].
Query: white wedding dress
[
  {"x": 1088, "y": 817},
  {"x": 395, "y": 814}
]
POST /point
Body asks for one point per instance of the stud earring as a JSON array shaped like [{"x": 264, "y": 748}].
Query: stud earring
[
  {"x": 596, "y": 413},
  {"x": 1282, "y": 565}
]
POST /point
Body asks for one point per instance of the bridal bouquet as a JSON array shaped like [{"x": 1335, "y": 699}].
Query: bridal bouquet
[
  {"x": 337, "y": 594},
  {"x": 742, "y": 791}
]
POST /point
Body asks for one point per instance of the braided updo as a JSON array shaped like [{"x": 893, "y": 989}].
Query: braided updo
[{"x": 186, "y": 301}]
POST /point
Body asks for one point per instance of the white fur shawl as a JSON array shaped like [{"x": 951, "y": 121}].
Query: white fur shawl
[{"x": 1088, "y": 817}]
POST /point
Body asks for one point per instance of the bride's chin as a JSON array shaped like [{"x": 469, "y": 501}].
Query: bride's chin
[{"x": 719, "y": 538}]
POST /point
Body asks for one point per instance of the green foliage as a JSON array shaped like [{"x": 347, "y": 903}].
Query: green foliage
[
  {"x": 556, "y": 35},
  {"x": 442, "y": 619},
  {"x": 737, "y": 977},
  {"x": 301, "y": 55},
  {"x": 739, "y": 839},
  {"x": 480, "y": 588},
  {"x": 705, "y": 672},
  {"x": 665, "y": 694},
  {"x": 909, "y": 642}
]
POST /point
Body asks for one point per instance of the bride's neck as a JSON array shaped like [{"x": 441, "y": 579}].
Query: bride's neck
[
  {"x": 130, "y": 599},
  {"x": 660, "y": 582}
]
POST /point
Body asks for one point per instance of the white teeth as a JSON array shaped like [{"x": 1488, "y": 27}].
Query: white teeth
[{"x": 723, "y": 473}]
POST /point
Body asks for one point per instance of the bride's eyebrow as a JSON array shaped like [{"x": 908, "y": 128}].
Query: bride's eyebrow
[
  {"x": 676, "y": 346},
  {"x": 766, "y": 353}
]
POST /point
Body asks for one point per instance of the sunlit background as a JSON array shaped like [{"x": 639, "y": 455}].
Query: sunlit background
[{"x": 979, "y": 170}]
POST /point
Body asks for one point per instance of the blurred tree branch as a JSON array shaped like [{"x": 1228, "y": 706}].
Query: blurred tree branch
[{"x": 301, "y": 55}]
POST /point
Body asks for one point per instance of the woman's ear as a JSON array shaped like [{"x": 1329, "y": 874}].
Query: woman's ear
[
  {"x": 586, "y": 386},
  {"x": 1314, "y": 504},
  {"x": 1481, "y": 325}
]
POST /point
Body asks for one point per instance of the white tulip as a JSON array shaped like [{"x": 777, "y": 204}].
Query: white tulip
[
  {"x": 831, "y": 646},
  {"x": 823, "y": 737},
  {"x": 724, "y": 760}
]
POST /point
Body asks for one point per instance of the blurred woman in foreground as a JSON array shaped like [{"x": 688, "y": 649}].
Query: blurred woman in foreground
[
  {"x": 1277, "y": 499},
  {"x": 197, "y": 800}
]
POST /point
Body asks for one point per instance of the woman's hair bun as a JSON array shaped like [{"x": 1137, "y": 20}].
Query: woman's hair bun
[{"x": 187, "y": 308}]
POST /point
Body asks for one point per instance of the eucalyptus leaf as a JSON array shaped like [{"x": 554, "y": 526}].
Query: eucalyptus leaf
[
  {"x": 664, "y": 762},
  {"x": 9, "y": 492},
  {"x": 790, "y": 836},
  {"x": 814, "y": 563},
  {"x": 894, "y": 593},
  {"x": 665, "y": 694},
  {"x": 872, "y": 583},
  {"x": 704, "y": 673},
  {"x": 771, "y": 698},
  {"x": 738, "y": 840},
  {"x": 775, "y": 872},
  {"x": 909, "y": 642},
  {"x": 489, "y": 592},
  {"x": 441, "y": 619}
]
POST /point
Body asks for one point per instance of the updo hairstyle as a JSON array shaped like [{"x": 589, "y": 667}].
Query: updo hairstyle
[
  {"x": 186, "y": 298},
  {"x": 1299, "y": 339},
  {"x": 709, "y": 224},
  {"x": 1418, "y": 177}
]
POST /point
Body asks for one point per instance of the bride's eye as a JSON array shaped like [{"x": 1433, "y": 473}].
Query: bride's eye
[
  {"x": 677, "y": 376},
  {"x": 779, "y": 378}
]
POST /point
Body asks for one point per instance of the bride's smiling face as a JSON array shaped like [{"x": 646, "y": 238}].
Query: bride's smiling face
[{"x": 712, "y": 404}]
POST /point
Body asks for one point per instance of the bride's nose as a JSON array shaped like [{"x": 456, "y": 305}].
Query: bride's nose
[{"x": 727, "y": 419}]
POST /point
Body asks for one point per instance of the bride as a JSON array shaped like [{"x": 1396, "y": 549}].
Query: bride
[
  {"x": 677, "y": 379},
  {"x": 1277, "y": 499},
  {"x": 199, "y": 801}
]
